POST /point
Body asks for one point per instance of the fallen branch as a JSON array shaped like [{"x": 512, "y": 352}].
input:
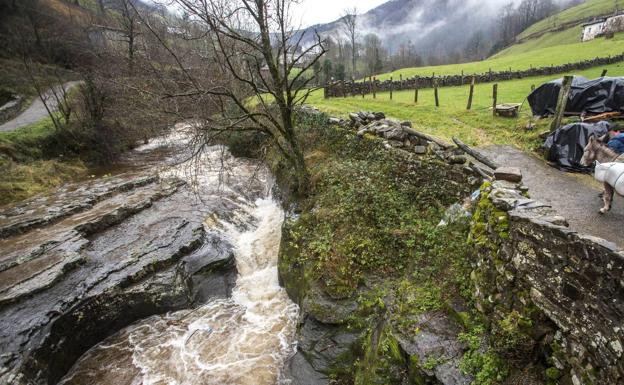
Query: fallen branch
[
  {"x": 481, "y": 158},
  {"x": 430, "y": 138},
  {"x": 485, "y": 174}
]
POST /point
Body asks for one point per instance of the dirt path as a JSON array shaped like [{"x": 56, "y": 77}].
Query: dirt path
[
  {"x": 574, "y": 196},
  {"x": 36, "y": 111}
]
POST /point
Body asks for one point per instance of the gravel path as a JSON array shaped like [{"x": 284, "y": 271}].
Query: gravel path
[
  {"x": 36, "y": 111},
  {"x": 574, "y": 196}
]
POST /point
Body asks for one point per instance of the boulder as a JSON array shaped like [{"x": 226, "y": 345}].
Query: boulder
[
  {"x": 509, "y": 174},
  {"x": 420, "y": 150}
]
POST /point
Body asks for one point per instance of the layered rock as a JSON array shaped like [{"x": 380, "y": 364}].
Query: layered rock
[{"x": 81, "y": 264}]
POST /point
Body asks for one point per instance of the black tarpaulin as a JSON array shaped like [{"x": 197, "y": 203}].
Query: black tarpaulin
[
  {"x": 565, "y": 146},
  {"x": 586, "y": 96}
]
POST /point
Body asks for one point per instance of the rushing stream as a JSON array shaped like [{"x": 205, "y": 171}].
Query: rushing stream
[{"x": 241, "y": 340}]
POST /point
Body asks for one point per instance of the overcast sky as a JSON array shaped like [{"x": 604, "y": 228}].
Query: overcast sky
[{"x": 312, "y": 12}]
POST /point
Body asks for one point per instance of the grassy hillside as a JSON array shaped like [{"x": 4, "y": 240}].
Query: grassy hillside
[
  {"x": 550, "y": 39},
  {"x": 476, "y": 127},
  {"x": 578, "y": 14},
  {"x": 539, "y": 53}
]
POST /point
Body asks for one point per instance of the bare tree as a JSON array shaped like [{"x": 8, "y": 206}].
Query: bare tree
[
  {"x": 373, "y": 54},
  {"x": 349, "y": 27},
  {"x": 249, "y": 77},
  {"x": 130, "y": 27}
]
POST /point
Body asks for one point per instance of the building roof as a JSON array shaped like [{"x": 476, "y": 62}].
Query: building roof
[{"x": 597, "y": 21}]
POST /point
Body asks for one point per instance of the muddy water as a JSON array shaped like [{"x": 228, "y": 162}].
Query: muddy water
[{"x": 241, "y": 340}]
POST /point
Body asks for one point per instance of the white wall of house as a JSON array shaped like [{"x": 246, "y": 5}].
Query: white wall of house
[{"x": 590, "y": 31}]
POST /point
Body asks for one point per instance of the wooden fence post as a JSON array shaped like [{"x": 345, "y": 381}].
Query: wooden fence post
[
  {"x": 562, "y": 102},
  {"x": 435, "y": 92},
  {"x": 494, "y": 98},
  {"x": 374, "y": 88},
  {"x": 604, "y": 73},
  {"x": 391, "y": 87},
  {"x": 416, "y": 95},
  {"x": 401, "y": 81},
  {"x": 472, "y": 84}
]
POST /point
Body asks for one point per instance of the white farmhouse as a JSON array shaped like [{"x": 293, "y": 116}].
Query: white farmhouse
[{"x": 593, "y": 29}]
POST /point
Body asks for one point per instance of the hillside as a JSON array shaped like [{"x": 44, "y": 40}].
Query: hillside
[
  {"x": 572, "y": 17},
  {"x": 523, "y": 56},
  {"x": 549, "y": 46}
]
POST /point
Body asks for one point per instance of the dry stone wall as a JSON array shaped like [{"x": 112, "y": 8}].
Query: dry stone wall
[
  {"x": 569, "y": 287},
  {"x": 340, "y": 89}
]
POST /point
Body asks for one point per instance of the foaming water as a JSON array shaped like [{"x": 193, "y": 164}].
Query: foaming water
[{"x": 241, "y": 340}]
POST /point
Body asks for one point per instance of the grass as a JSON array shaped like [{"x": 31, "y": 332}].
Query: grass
[
  {"x": 579, "y": 13},
  {"x": 524, "y": 56},
  {"x": 25, "y": 168},
  {"x": 549, "y": 39},
  {"x": 475, "y": 127}
]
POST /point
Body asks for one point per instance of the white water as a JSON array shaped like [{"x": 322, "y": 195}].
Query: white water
[{"x": 241, "y": 340}]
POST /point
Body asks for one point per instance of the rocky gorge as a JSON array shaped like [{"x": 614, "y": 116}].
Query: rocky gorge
[{"x": 85, "y": 262}]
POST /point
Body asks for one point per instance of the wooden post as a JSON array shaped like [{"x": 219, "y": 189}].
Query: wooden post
[
  {"x": 532, "y": 87},
  {"x": 470, "y": 95},
  {"x": 370, "y": 85},
  {"x": 374, "y": 88},
  {"x": 604, "y": 73},
  {"x": 462, "y": 78},
  {"x": 401, "y": 79},
  {"x": 416, "y": 95},
  {"x": 435, "y": 92},
  {"x": 562, "y": 102},
  {"x": 391, "y": 87},
  {"x": 494, "y": 98}
]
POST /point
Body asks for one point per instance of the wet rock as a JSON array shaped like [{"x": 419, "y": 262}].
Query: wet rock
[
  {"x": 327, "y": 310},
  {"x": 126, "y": 248},
  {"x": 437, "y": 339},
  {"x": 43, "y": 210},
  {"x": 319, "y": 347}
]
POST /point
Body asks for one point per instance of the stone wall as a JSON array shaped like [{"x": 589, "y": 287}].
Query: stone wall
[
  {"x": 568, "y": 287},
  {"x": 340, "y": 89},
  {"x": 10, "y": 109}
]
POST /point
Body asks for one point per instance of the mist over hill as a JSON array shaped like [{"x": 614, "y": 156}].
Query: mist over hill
[
  {"x": 435, "y": 28},
  {"x": 445, "y": 31}
]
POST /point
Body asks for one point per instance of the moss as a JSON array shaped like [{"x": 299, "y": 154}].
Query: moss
[
  {"x": 553, "y": 374},
  {"x": 383, "y": 361}
]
